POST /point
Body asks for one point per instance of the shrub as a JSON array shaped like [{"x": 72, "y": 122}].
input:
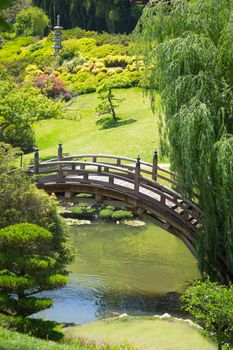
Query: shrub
[
  {"x": 119, "y": 70},
  {"x": 110, "y": 207},
  {"x": 31, "y": 21},
  {"x": 121, "y": 214},
  {"x": 105, "y": 213},
  {"x": 77, "y": 210},
  {"x": 78, "y": 33},
  {"x": 21, "y": 201},
  {"x": 12, "y": 49},
  {"x": 212, "y": 306},
  {"x": 53, "y": 87},
  {"x": 48, "y": 330},
  {"x": 116, "y": 61},
  {"x": 19, "y": 136},
  {"x": 83, "y": 210},
  {"x": 83, "y": 205},
  {"x": 74, "y": 62}
]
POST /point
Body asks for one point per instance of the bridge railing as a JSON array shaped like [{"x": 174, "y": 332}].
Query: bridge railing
[
  {"x": 116, "y": 174},
  {"x": 122, "y": 179},
  {"x": 151, "y": 170}
]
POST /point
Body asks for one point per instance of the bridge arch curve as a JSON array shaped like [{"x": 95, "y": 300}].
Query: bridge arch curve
[{"x": 144, "y": 187}]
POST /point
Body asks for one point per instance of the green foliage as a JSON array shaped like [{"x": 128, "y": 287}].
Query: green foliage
[
  {"x": 7, "y": 156},
  {"x": 121, "y": 214},
  {"x": 83, "y": 205},
  {"x": 83, "y": 210},
  {"x": 106, "y": 213},
  {"x": 17, "y": 136},
  {"x": 108, "y": 101},
  {"x": 13, "y": 48},
  {"x": 110, "y": 213},
  {"x": 21, "y": 201},
  {"x": 85, "y": 62},
  {"x": 31, "y": 21},
  {"x": 19, "y": 109},
  {"x": 15, "y": 7},
  {"x": 48, "y": 330},
  {"x": 188, "y": 52},
  {"x": 212, "y": 306},
  {"x": 28, "y": 266}
]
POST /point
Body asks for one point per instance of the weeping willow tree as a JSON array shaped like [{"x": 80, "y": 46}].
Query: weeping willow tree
[{"x": 188, "y": 49}]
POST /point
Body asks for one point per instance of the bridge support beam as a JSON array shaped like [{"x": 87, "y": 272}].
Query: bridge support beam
[
  {"x": 99, "y": 199},
  {"x": 68, "y": 196}
]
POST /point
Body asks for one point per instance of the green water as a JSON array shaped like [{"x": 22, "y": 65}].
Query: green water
[{"x": 122, "y": 269}]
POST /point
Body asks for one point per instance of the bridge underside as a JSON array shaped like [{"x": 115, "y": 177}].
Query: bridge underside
[{"x": 67, "y": 192}]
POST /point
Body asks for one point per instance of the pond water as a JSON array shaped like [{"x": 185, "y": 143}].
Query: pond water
[{"x": 137, "y": 270}]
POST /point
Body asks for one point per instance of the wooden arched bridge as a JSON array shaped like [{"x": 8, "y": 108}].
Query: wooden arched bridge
[{"x": 146, "y": 188}]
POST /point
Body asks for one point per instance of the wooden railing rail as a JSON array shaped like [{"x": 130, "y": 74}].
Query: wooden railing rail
[
  {"x": 153, "y": 170},
  {"x": 127, "y": 175}
]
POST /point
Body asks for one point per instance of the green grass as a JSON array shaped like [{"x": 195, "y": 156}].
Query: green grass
[
  {"x": 138, "y": 133},
  {"x": 142, "y": 333},
  {"x": 16, "y": 341}
]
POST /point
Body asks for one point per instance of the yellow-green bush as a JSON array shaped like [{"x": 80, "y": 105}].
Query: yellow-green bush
[{"x": 84, "y": 63}]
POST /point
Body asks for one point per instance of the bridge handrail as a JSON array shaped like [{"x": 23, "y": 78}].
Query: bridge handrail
[
  {"x": 131, "y": 160},
  {"x": 144, "y": 181}
]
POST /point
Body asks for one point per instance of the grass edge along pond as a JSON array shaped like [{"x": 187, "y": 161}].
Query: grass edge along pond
[
  {"x": 128, "y": 333},
  {"x": 142, "y": 333}
]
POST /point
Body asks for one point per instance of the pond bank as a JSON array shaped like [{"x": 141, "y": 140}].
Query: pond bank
[{"x": 147, "y": 333}]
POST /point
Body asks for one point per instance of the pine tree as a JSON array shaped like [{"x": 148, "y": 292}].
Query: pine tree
[{"x": 28, "y": 265}]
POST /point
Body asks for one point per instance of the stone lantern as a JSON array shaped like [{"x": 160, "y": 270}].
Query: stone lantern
[{"x": 57, "y": 38}]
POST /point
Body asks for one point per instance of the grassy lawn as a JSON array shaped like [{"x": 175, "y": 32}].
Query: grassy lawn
[
  {"x": 143, "y": 334},
  {"x": 136, "y": 134},
  {"x": 16, "y": 341}
]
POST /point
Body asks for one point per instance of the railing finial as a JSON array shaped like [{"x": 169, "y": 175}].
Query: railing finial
[{"x": 138, "y": 160}]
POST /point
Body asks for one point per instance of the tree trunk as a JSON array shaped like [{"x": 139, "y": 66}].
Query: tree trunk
[
  {"x": 219, "y": 346},
  {"x": 112, "y": 107}
]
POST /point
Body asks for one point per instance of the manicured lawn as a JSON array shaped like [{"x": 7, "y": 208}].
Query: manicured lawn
[
  {"x": 16, "y": 341},
  {"x": 143, "y": 333},
  {"x": 138, "y": 133}
]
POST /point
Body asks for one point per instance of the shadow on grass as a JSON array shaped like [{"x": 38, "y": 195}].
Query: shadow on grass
[{"x": 109, "y": 123}]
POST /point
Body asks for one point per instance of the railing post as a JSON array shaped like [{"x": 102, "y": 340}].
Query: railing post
[
  {"x": 155, "y": 166},
  {"x": 137, "y": 175},
  {"x": 59, "y": 157},
  {"x": 36, "y": 160},
  {"x": 60, "y": 152}
]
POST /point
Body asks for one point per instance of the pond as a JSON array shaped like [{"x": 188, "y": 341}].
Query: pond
[{"x": 118, "y": 269}]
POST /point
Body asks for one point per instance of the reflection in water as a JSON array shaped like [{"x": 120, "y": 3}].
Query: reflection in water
[{"x": 122, "y": 269}]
